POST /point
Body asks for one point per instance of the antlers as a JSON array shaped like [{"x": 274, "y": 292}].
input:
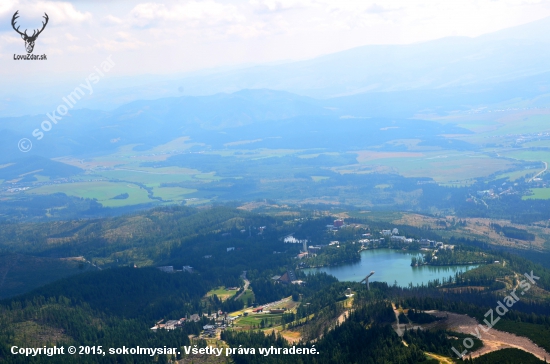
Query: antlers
[
  {"x": 15, "y": 16},
  {"x": 34, "y": 34},
  {"x": 43, "y": 24}
]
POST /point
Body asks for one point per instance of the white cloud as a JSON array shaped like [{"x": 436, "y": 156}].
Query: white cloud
[
  {"x": 6, "y": 6},
  {"x": 71, "y": 37},
  {"x": 192, "y": 13},
  {"x": 111, "y": 20},
  {"x": 183, "y": 35},
  {"x": 62, "y": 12},
  {"x": 10, "y": 39},
  {"x": 378, "y": 9},
  {"x": 278, "y": 5},
  {"x": 248, "y": 31},
  {"x": 119, "y": 42}
]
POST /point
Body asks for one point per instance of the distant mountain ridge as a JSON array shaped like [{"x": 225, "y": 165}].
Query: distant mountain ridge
[
  {"x": 278, "y": 119},
  {"x": 502, "y": 56},
  {"x": 515, "y": 54},
  {"x": 24, "y": 168}
]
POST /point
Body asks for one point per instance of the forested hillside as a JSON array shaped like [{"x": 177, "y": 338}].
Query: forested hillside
[{"x": 120, "y": 295}]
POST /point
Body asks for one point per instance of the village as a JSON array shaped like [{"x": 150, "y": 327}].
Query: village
[
  {"x": 255, "y": 316},
  {"x": 367, "y": 241},
  {"x": 270, "y": 314},
  {"x": 252, "y": 316}
]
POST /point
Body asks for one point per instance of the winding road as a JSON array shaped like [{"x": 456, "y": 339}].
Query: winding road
[
  {"x": 541, "y": 172},
  {"x": 246, "y": 285}
]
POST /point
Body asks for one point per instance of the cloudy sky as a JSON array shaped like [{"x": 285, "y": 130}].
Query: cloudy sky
[{"x": 180, "y": 36}]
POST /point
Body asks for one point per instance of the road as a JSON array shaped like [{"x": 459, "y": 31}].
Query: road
[
  {"x": 541, "y": 172},
  {"x": 246, "y": 284}
]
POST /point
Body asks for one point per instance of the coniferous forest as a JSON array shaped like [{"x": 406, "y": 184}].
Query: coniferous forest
[
  {"x": 121, "y": 295},
  {"x": 275, "y": 181}
]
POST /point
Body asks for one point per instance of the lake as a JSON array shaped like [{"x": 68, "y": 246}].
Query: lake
[{"x": 390, "y": 265}]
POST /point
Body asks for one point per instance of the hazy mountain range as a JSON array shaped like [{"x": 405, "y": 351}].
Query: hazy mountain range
[
  {"x": 263, "y": 118},
  {"x": 454, "y": 65},
  {"x": 362, "y": 89}
]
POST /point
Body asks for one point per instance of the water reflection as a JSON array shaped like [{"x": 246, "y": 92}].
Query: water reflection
[{"x": 391, "y": 266}]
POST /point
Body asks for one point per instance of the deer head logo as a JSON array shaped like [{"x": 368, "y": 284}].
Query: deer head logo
[{"x": 29, "y": 40}]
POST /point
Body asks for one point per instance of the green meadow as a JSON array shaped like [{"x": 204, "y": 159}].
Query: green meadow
[
  {"x": 246, "y": 295},
  {"x": 172, "y": 193},
  {"x": 530, "y": 155},
  {"x": 318, "y": 178},
  {"x": 102, "y": 191},
  {"x": 255, "y": 319},
  {"x": 222, "y": 293},
  {"x": 538, "y": 194},
  {"x": 443, "y": 166}
]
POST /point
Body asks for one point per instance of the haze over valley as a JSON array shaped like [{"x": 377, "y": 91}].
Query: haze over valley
[{"x": 282, "y": 181}]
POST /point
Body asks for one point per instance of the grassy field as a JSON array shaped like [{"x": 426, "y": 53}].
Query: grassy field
[
  {"x": 101, "y": 190},
  {"x": 522, "y": 124},
  {"x": 222, "y": 293},
  {"x": 109, "y": 185},
  {"x": 442, "y": 166},
  {"x": 538, "y": 194},
  {"x": 537, "y": 144},
  {"x": 40, "y": 178},
  {"x": 256, "y": 153},
  {"x": 151, "y": 177},
  {"x": 515, "y": 175},
  {"x": 480, "y": 126},
  {"x": 413, "y": 159},
  {"x": 318, "y": 178},
  {"x": 207, "y": 176},
  {"x": 502, "y": 124},
  {"x": 496, "y": 127},
  {"x": 246, "y": 295},
  {"x": 248, "y": 322},
  {"x": 172, "y": 193},
  {"x": 529, "y": 155}
]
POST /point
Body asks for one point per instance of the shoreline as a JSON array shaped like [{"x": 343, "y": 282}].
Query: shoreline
[{"x": 343, "y": 263}]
